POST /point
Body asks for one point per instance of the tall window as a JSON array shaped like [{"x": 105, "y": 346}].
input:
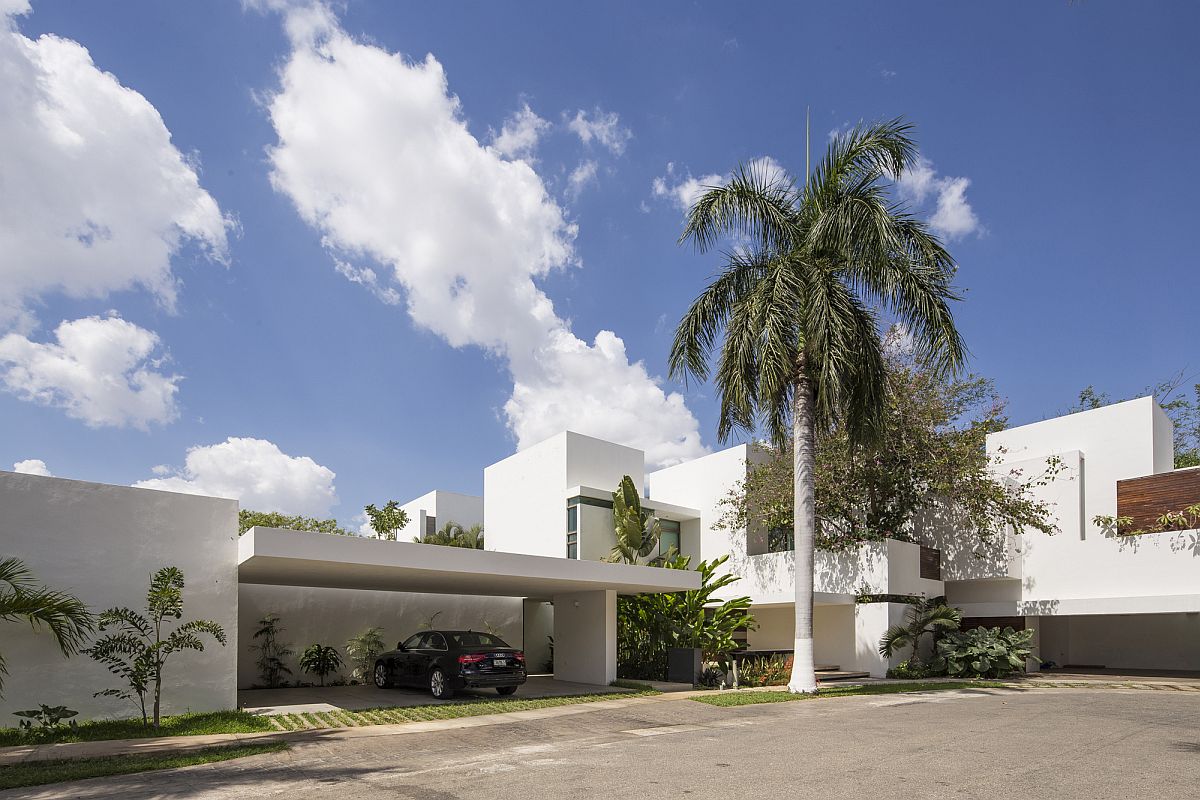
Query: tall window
[
  {"x": 670, "y": 537},
  {"x": 573, "y": 531}
]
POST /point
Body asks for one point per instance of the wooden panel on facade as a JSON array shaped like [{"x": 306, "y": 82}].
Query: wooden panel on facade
[
  {"x": 931, "y": 563},
  {"x": 1146, "y": 499}
]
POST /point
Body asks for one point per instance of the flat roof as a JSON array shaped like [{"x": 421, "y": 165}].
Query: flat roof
[{"x": 299, "y": 558}]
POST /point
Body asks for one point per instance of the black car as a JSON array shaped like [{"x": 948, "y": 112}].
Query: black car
[{"x": 446, "y": 661}]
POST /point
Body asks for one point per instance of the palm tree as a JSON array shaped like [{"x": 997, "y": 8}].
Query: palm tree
[
  {"x": 22, "y": 598},
  {"x": 454, "y": 535},
  {"x": 926, "y": 616},
  {"x": 798, "y": 303}
]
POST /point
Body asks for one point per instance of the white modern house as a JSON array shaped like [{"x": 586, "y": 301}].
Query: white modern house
[{"x": 1094, "y": 597}]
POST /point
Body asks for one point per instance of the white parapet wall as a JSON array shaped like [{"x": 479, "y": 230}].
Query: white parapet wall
[{"x": 102, "y": 543}]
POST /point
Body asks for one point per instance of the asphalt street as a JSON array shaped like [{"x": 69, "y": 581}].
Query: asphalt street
[{"x": 1040, "y": 743}]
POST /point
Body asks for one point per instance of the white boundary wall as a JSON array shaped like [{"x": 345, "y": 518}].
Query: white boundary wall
[{"x": 102, "y": 543}]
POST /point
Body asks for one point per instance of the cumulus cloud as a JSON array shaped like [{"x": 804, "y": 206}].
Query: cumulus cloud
[
  {"x": 374, "y": 154},
  {"x": 256, "y": 473},
  {"x": 580, "y": 177},
  {"x": 952, "y": 217},
  {"x": 602, "y": 127},
  {"x": 94, "y": 197},
  {"x": 679, "y": 187},
  {"x": 103, "y": 371},
  {"x": 33, "y": 466},
  {"x": 519, "y": 136}
]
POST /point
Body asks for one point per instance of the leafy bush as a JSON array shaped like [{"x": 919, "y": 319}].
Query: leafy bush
[
  {"x": 48, "y": 718},
  {"x": 912, "y": 669},
  {"x": 983, "y": 652},
  {"x": 765, "y": 671},
  {"x": 320, "y": 660},
  {"x": 363, "y": 649},
  {"x": 271, "y": 652}
]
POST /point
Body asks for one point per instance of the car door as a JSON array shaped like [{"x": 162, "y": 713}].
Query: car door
[
  {"x": 418, "y": 660},
  {"x": 402, "y": 669}
]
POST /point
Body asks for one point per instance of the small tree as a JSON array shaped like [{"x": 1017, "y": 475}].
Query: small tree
[
  {"x": 138, "y": 646},
  {"x": 320, "y": 660},
  {"x": 248, "y": 519},
  {"x": 927, "y": 616},
  {"x": 22, "y": 598},
  {"x": 363, "y": 649},
  {"x": 271, "y": 652},
  {"x": 386, "y": 521},
  {"x": 636, "y": 531}
]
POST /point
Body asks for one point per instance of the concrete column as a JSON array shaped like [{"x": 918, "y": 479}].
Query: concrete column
[
  {"x": 871, "y": 620},
  {"x": 585, "y": 637}
]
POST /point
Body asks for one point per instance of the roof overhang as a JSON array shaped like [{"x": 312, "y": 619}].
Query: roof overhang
[{"x": 295, "y": 558}]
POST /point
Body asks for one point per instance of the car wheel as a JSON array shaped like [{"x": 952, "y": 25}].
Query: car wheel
[
  {"x": 381, "y": 677},
  {"x": 506, "y": 690},
  {"x": 439, "y": 685}
]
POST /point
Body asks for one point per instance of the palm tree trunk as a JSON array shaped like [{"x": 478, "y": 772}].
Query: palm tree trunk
[{"x": 804, "y": 677}]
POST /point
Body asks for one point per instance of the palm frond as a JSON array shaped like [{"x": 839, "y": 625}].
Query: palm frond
[{"x": 756, "y": 202}]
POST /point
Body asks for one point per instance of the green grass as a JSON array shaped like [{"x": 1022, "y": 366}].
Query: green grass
[
  {"x": 749, "y": 697},
  {"x": 467, "y": 707},
  {"x": 180, "y": 725},
  {"x": 37, "y": 773},
  {"x": 626, "y": 683}
]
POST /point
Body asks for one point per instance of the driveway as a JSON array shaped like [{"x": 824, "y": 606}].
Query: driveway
[
  {"x": 1054, "y": 743},
  {"x": 356, "y": 698}
]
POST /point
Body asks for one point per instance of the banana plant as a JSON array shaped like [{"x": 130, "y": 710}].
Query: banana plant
[{"x": 637, "y": 532}]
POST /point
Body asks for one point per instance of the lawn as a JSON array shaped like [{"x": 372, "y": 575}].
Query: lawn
[
  {"x": 242, "y": 722},
  {"x": 749, "y": 697},
  {"x": 36, "y": 773}
]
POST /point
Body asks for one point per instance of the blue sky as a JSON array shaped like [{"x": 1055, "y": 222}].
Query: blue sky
[{"x": 1058, "y": 137}]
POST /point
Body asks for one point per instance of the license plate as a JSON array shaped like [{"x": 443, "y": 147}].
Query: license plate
[{"x": 500, "y": 662}]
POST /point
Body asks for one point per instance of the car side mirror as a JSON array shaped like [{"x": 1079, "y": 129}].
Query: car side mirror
[{"x": 400, "y": 646}]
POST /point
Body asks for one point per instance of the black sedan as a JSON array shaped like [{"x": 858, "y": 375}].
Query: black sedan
[{"x": 447, "y": 661}]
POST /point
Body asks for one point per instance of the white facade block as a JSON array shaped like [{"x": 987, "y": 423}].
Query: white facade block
[{"x": 585, "y": 637}]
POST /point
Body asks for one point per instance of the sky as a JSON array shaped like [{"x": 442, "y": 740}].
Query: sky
[{"x": 321, "y": 255}]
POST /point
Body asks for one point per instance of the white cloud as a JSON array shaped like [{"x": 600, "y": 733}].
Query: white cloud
[
  {"x": 256, "y": 473},
  {"x": 682, "y": 189},
  {"x": 33, "y": 466},
  {"x": 94, "y": 197},
  {"x": 952, "y": 218},
  {"x": 520, "y": 134},
  {"x": 101, "y": 370},
  {"x": 374, "y": 153},
  {"x": 603, "y": 127},
  {"x": 580, "y": 177}
]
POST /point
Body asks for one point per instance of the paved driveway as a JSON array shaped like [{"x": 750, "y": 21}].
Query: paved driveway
[
  {"x": 356, "y": 698},
  {"x": 1045, "y": 743}
]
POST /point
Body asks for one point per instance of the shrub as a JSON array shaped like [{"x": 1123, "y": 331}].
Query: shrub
[
  {"x": 48, "y": 718},
  {"x": 765, "y": 671},
  {"x": 983, "y": 652},
  {"x": 271, "y": 652},
  {"x": 320, "y": 660},
  {"x": 912, "y": 669},
  {"x": 363, "y": 649}
]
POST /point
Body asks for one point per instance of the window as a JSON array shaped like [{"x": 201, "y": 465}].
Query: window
[
  {"x": 430, "y": 526},
  {"x": 779, "y": 540},
  {"x": 412, "y": 642},
  {"x": 573, "y": 531},
  {"x": 473, "y": 639},
  {"x": 670, "y": 537},
  {"x": 435, "y": 642}
]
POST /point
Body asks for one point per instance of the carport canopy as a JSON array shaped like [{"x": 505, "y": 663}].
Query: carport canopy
[{"x": 584, "y": 593}]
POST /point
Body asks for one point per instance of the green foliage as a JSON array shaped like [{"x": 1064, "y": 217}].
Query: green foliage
[
  {"x": 386, "y": 521},
  {"x": 248, "y": 519},
  {"x": 200, "y": 724},
  {"x": 454, "y": 535},
  {"x": 932, "y": 446},
  {"x": 362, "y": 651},
  {"x": 649, "y": 624},
  {"x": 134, "y": 647},
  {"x": 930, "y": 617},
  {"x": 320, "y": 660},
  {"x": 48, "y": 719},
  {"x": 271, "y": 653},
  {"x": 39, "y": 773},
  {"x": 912, "y": 669},
  {"x": 22, "y": 598},
  {"x": 637, "y": 533},
  {"x": 1186, "y": 520},
  {"x": 1182, "y": 407},
  {"x": 763, "y": 671},
  {"x": 983, "y": 652}
]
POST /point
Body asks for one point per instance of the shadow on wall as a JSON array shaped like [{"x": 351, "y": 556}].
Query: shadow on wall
[
  {"x": 843, "y": 572},
  {"x": 967, "y": 556}
]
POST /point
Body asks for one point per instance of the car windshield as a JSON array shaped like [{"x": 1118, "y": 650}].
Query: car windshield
[{"x": 472, "y": 639}]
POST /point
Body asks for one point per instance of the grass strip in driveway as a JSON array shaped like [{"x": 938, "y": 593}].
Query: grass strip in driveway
[
  {"x": 750, "y": 697},
  {"x": 37, "y": 773}
]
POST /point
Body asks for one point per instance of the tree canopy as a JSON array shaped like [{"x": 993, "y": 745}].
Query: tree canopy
[{"x": 248, "y": 519}]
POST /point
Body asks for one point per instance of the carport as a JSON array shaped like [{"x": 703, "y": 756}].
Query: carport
[{"x": 584, "y": 593}]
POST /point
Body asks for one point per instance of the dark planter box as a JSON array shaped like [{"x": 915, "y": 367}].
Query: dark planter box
[{"x": 683, "y": 665}]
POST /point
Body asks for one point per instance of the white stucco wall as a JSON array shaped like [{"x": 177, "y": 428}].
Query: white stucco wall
[
  {"x": 331, "y": 616},
  {"x": 465, "y": 509},
  {"x": 524, "y": 508},
  {"x": 102, "y": 543},
  {"x": 585, "y": 637}
]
